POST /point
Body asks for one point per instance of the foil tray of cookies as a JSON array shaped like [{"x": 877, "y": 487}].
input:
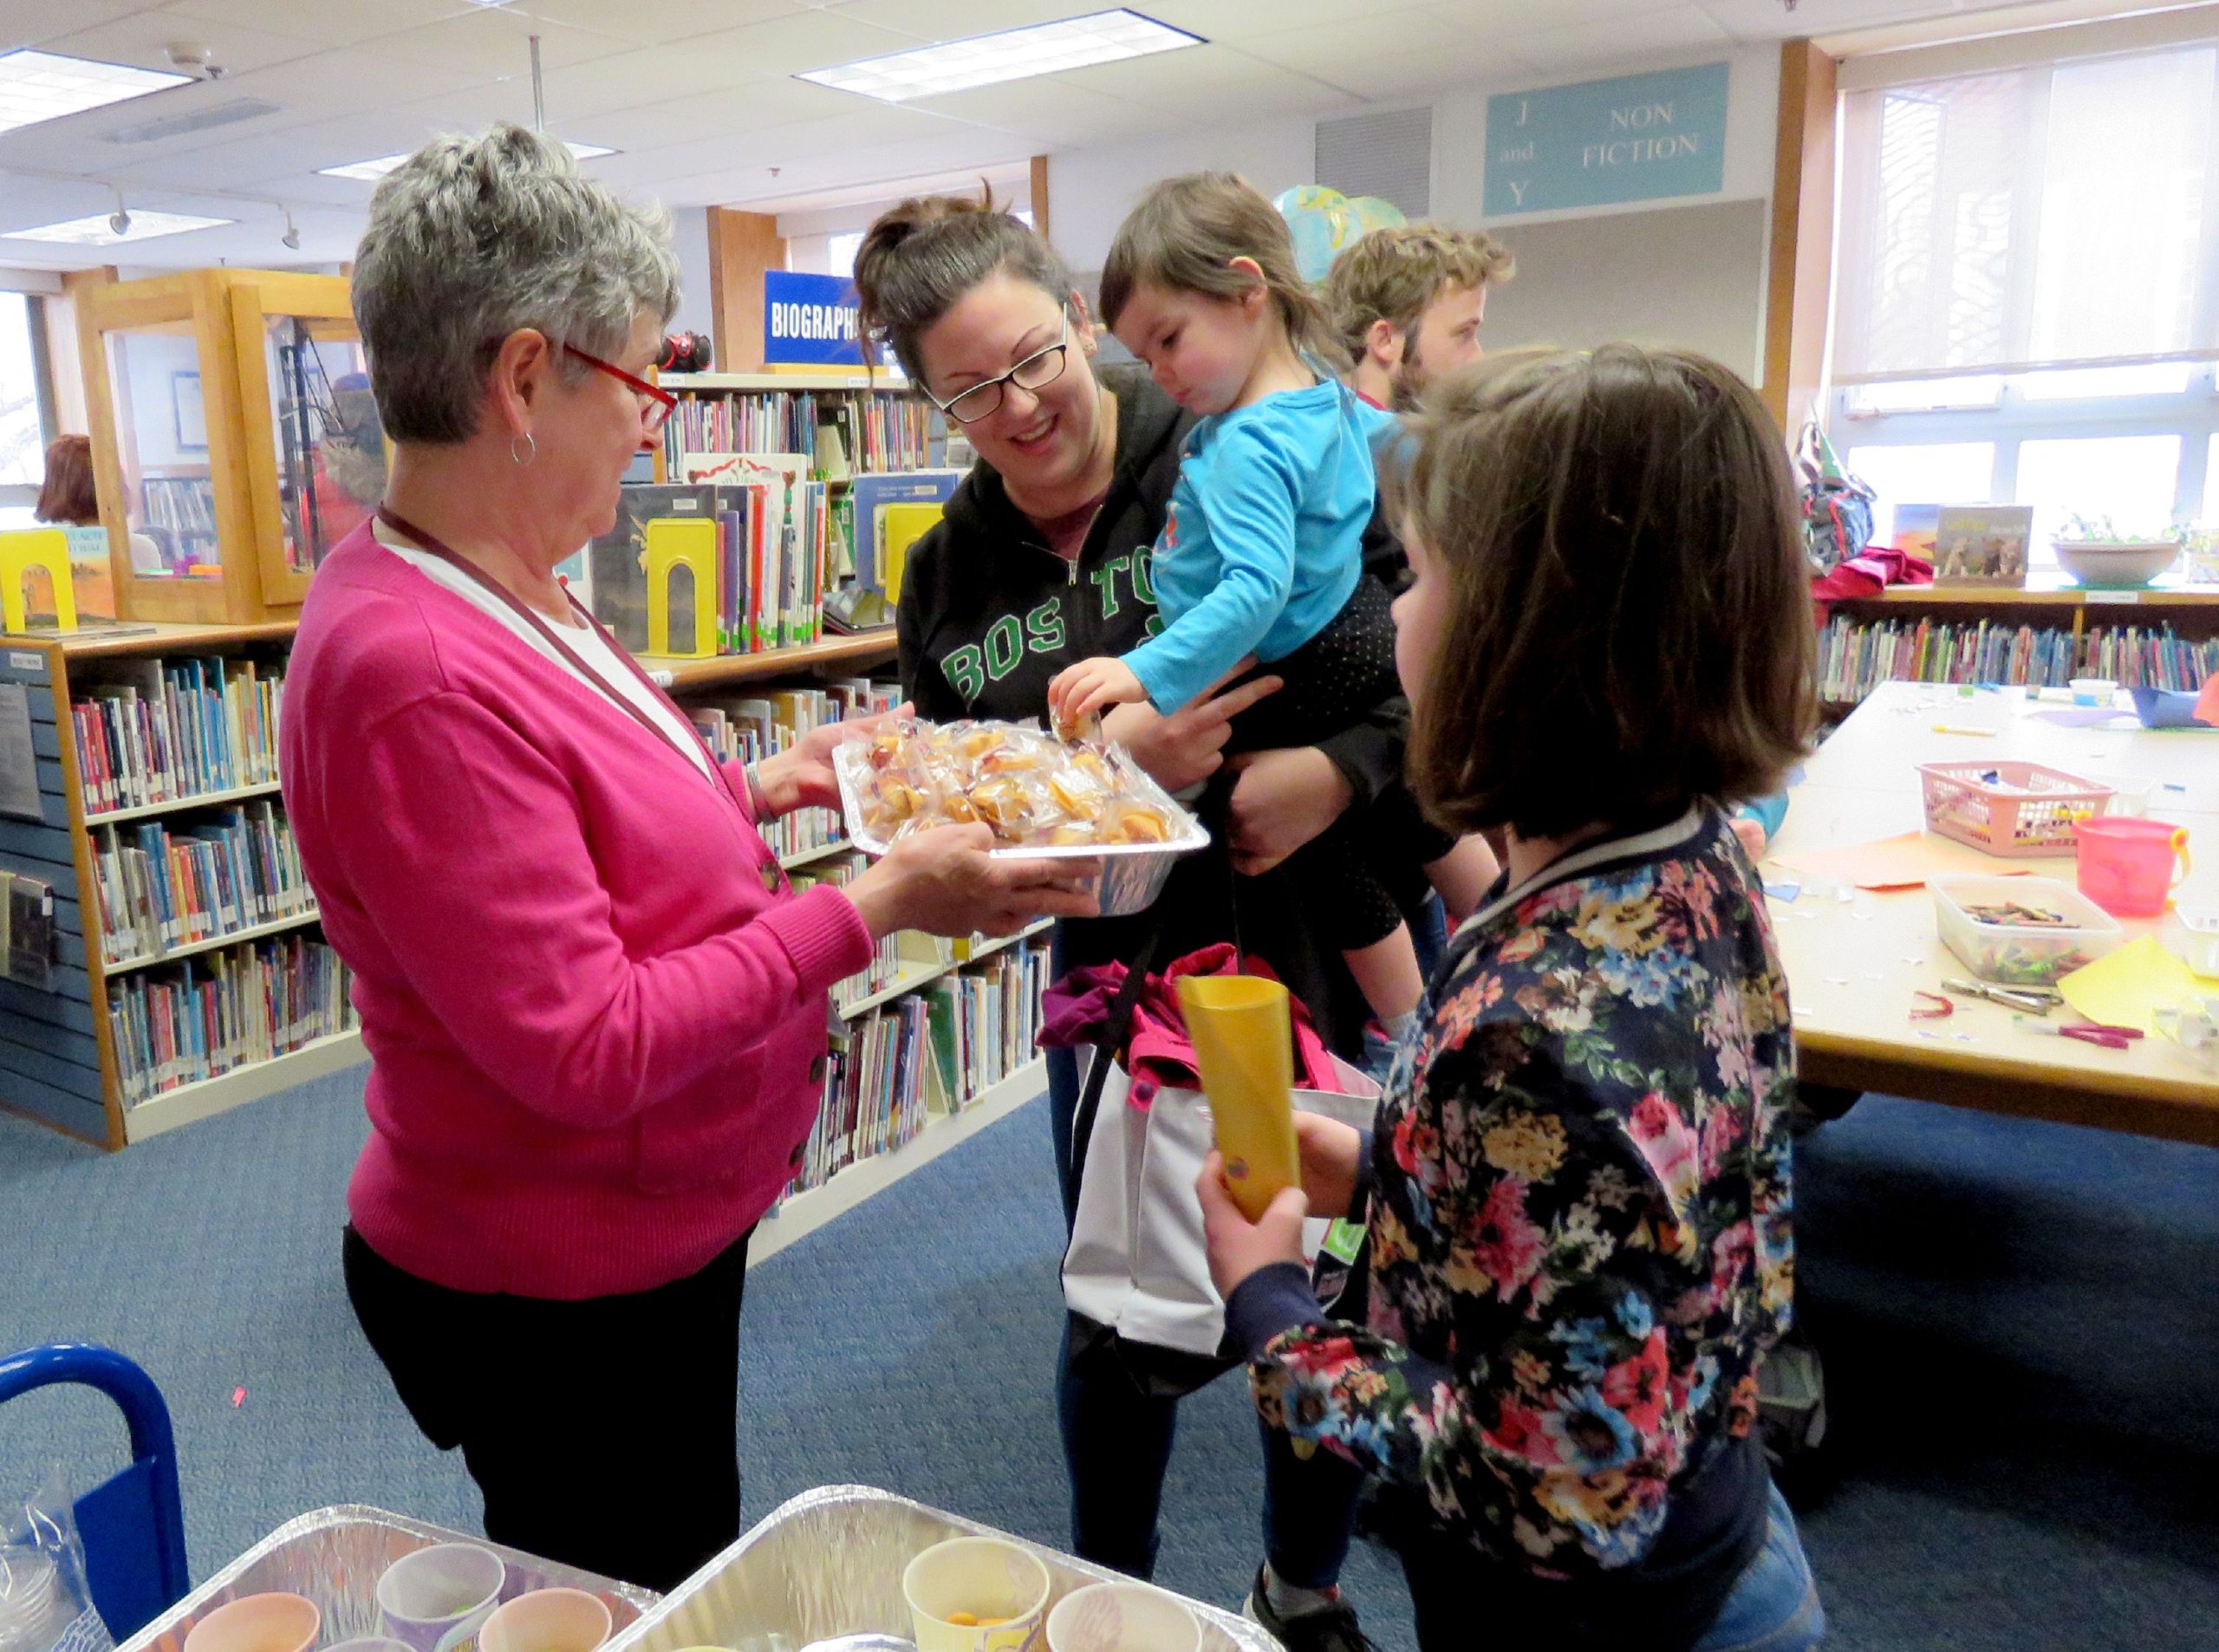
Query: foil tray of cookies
[{"x": 1040, "y": 795}]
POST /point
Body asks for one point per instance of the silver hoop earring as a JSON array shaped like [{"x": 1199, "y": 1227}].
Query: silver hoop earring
[{"x": 531, "y": 448}]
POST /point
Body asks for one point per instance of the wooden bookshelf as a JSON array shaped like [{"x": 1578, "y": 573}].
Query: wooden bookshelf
[
  {"x": 835, "y": 654},
  {"x": 2190, "y": 610},
  {"x": 916, "y": 975},
  {"x": 847, "y": 379},
  {"x": 57, "y": 1064}
]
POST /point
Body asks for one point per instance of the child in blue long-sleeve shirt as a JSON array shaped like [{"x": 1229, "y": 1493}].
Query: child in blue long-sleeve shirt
[{"x": 1261, "y": 553}]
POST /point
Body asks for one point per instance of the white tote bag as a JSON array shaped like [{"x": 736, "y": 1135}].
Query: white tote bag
[{"x": 1138, "y": 1262}]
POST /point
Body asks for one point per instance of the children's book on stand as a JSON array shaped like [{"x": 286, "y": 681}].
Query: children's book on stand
[{"x": 1982, "y": 544}]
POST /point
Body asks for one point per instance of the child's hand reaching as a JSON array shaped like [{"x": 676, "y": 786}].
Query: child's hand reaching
[{"x": 1088, "y": 687}]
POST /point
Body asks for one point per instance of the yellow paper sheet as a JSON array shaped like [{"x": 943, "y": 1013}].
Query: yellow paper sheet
[
  {"x": 1904, "y": 862},
  {"x": 2125, "y": 988}
]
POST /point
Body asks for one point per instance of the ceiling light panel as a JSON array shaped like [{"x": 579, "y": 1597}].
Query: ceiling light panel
[
  {"x": 371, "y": 171},
  {"x": 96, "y": 233},
  {"x": 38, "y": 85},
  {"x": 1012, "y": 54}
]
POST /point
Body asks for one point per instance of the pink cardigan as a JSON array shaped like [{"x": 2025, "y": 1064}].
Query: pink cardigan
[{"x": 597, "y": 1037}]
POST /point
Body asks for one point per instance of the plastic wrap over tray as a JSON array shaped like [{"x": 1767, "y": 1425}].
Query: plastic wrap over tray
[
  {"x": 829, "y": 1563},
  {"x": 1132, "y": 874},
  {"x": 335, "y": 1557}
]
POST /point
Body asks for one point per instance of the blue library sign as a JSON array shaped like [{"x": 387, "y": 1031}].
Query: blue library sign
[
  {"x": 811, "y": 320},
  {"x": 1635, "y": 137}
]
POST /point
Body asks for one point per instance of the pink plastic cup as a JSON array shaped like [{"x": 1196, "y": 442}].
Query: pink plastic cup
[{"x": 2127, "y": 863}]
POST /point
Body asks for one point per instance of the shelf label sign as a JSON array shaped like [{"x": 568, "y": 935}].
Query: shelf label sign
[
  {"x": 1633, "y": 138},
  {"x": 811, "y": 320}
]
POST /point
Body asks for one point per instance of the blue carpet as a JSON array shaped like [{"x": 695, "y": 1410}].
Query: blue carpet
[{"x": 2017, "y": 1320}]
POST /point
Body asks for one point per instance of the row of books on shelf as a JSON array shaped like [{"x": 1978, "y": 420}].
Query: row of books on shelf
[
  {"x": 160, "y": 888},
  {"x": 840, "y": 430},
  {"x": 748, "y": 730},
  {"x": 158, "y": 731},
  {"x": 1856, "y": 655},
  {"x": 769, "y": 550},
  {"x": 770, "y": 541},
  {"x": 184, "y": 504},
  {"x": 934, "y": 1052},
  {"x": 226, "y": 1010}
]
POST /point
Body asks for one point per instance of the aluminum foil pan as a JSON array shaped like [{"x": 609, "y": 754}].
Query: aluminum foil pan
[
  {"x": 335, "y": 1557},
  {"x": 1132, "y": 874},
  {"x": 829, "y": 1563}
]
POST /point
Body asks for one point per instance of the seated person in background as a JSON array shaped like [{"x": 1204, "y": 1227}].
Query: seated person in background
[
  {"x": 67, "y": 499},
  {"x": 1578, "y": 1189}
]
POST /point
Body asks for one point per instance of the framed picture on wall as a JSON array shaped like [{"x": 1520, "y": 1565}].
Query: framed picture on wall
[{"x": 191, "y": 412}]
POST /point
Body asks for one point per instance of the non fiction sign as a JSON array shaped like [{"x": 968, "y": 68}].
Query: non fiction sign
[
  {"x": 811, "y": 320},
  {"x": 1634, "y": 138}
]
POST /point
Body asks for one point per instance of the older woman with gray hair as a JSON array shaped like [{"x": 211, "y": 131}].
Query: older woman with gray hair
[{"x": 595, "y": 1010}]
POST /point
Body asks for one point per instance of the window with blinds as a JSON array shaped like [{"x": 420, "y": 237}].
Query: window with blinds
[{"x": 2026, "y": 290}]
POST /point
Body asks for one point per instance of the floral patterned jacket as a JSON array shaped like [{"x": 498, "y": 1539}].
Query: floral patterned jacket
[{"x": 1579, "y": 1212}]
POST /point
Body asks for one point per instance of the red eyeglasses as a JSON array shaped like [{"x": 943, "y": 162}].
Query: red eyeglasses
[{"x": 655, "y": 403}]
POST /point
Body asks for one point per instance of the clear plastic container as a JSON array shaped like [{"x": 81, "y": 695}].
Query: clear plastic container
[
  {"x": 2197, "y": 939},
  {"x": 2020, "y": 954}
]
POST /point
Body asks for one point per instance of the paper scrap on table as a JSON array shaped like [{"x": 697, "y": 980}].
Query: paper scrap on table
[
  {"x": 2206, "y": 703},
  {"x": 1783, "y": 888},
  {"x": 2167, "y": 708},
  {"x": 2087, "y": 716},
  {"x": 2127, "y": 988},
  {"x": 1904, "y": 862}
]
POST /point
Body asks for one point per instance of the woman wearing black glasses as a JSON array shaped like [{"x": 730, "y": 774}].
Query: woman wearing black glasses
[
  {"x": 1040, "y": 562},
  {"x": 595, "y": 1010}
]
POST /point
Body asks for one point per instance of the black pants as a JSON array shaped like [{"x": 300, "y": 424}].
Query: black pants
[{"x": 601, "y": 1432}]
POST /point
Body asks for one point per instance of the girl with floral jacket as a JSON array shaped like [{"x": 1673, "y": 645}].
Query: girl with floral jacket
[{"x": 1577, "y": 1190}]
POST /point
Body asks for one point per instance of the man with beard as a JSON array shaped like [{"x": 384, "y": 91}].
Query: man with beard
[{"x": 1407, "y": 303}]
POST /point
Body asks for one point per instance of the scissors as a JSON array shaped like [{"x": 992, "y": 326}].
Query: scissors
[
  {"x": 2103, "y": 1036},
  {"x": 2035, "y": 1000}
]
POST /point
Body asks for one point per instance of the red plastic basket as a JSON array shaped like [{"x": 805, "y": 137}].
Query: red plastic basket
[{"x": 2009, "y": 809}]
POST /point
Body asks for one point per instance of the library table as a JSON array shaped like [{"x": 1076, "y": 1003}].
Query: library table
[{"x": 1854, "y": 957}]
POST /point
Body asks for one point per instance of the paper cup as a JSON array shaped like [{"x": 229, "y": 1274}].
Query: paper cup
[
  {"x": 1122, "y": 1617},
  {"x": 547, "y": 1620},
  {"x": 259, "y": 1623},
  {"x": 976, "y": 1578},
  {"x": 435, "y": 1599}
]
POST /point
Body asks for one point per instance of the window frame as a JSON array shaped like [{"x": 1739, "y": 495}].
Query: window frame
[
  {"x": 34, "y": 318},
  {"x": 2192, "y": 415}
]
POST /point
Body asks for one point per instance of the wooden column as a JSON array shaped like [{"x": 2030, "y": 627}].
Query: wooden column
[
  {"x": 65, "y": 359},
  {"x": 743, "y": 246},
  {"x": 1040, "y": 198},
  {"x": 1801, "y": 273}
]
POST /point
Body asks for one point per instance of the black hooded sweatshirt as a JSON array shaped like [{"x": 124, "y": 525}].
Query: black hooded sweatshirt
[{"x": 989, "y": 613}]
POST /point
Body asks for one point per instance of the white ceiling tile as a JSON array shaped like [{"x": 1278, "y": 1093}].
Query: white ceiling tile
[
  {"x": 789, "y": 45},
  {"x": 661, "y": 74},
  {"x": 142, "y": 39},
  {"x": 1608, "y": 47},
  {"x": 889, "y": 165},
  {"x": 739, "y": 107},
  {"x": 654, "y": 21},
  {"x": 337, "y": 22},
  {"x": 1769, "y": 20},
  {"x": 489, "y": 40},
  {"x": 1401, "y": 51},
  {"x": 937, "y": 20},
  {"x": 1338, "y": 25},
  {"x": 27, "y": 23},
  {"x": 1048, "y": 112},
  {"x": 648, "y": 169},
  {"x": 1209, "y": 85}
]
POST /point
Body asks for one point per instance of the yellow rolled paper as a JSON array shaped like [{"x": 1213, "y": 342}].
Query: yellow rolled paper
[{"x": 1244, "y": 1044}]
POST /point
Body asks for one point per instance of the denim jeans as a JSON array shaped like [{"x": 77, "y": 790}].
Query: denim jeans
[
  {"x": 1774, "y": 1606},
  {"x": 1117, "y": 1440}
]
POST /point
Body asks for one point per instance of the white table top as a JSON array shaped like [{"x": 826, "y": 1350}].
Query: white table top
[{"x": 1854, "y": 956}]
